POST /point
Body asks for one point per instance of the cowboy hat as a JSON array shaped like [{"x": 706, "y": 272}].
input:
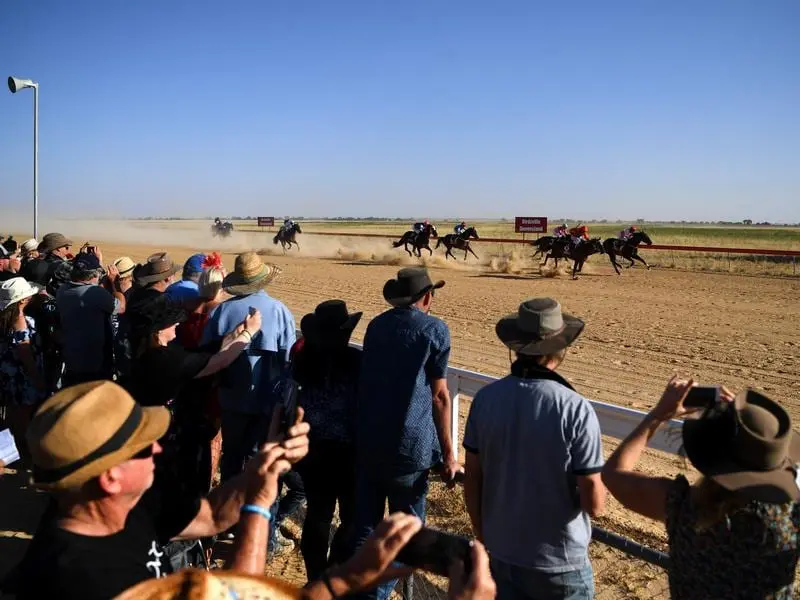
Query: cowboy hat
[
  {"x": 538, "y": 328},
  {"x": 196, "y": 584},
  {"x": 153, "y": 313},
  {"x": 250, "y": 275},
  {"x": 747, "y": 447},
  {"x": 86, "y": 429},
  {"x": 412, "y": 283},
  {"x": 329, "y": 322},
  {"x": 53, "y": 241},
  {"x": 125, "y": 266},
  {"x": 15, "y": 289},
  {"x": 159, "y": 266}
]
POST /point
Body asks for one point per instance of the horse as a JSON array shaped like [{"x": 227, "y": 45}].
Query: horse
[
  {"x": 546, "y": 243},
  {"x": 287, "y": 237},
  {"x": 418, "y": 241},
  {"x": 460, "y": 241},
  {"x": 221, "y": 229},
  {"x": 579, "y": 255},
  {"x": 627, "y": 249}
]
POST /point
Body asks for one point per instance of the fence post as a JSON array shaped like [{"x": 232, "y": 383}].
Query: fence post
[{"x": 452, "y": 386}]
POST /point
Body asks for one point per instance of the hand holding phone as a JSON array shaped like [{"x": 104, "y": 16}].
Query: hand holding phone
[{"x": 289, "y": 405}]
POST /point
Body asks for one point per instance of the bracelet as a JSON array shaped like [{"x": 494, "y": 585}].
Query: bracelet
[
  {"x": 259, "y": 510},
  {"x": 326, "y": 579}
]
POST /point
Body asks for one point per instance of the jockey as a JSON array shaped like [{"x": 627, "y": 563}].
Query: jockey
[
  {"x": 627, "y": 233},
  {"x": 561, "y": 231},
  {"x": 579, "y": 234},
  {"x": 420, "y": 226},
  {"x": 460, "y": 228},
  {"x": 287, "y": 224},
  {"x": 217, "y": 221}
]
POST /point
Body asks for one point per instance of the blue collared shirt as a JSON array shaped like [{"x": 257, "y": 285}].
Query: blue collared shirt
[
  {"x": 404, "y": 351},
  {"x": 185, "y": 289},
  {"x": 245, "y": 385}
]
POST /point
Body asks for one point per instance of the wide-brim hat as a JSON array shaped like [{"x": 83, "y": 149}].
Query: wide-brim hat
[
  {"x": 84, "y": 430},
  {"x": 538, "y": 328},
  {"x": 53, "y": 241},
  {"x": 250, "y": 274},
  {"x": 17, "y": 289},
  {"x": 747, "y": 447},
  {"x": 411, "y": 284},
  {"x": 330, "y": 322},
  {"x": 159, "y": 266},
  {"x": 198, "y": 584},
  {"x": 153, "y": 313}
]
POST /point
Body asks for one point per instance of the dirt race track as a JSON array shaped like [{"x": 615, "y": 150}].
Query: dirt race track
[{"x": 641, "y": 327}]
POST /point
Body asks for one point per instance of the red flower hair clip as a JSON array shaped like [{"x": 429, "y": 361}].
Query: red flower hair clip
[{"x": 213, "y": 260}]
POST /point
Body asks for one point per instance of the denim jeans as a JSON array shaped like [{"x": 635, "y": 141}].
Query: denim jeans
[
  {"x": 404, "y": 493},
  {"x": 241, "y": 435},
  {"x": 521, "y": 583},
  {"x": 286, "y": 505}
]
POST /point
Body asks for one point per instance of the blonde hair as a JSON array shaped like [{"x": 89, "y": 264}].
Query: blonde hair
[{"x": 210, "y": 282}]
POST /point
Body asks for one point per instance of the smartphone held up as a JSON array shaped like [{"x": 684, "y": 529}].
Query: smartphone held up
[
  {"x": 702, "y": 396},
  {"x": 436, "y": 551}
]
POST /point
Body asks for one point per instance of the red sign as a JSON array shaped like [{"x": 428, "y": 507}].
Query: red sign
[
  {"x": 530, "y": 224},
  {"x": 266, "y": 221}
]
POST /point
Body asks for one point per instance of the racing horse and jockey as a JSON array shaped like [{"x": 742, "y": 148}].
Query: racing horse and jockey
[
  {"x": 218, "y": 228},
  {"x": 560, "y": 239},
  {"x": 627, "y": 246},
  {"x": 287, "y": 235},
  {"x": 459, "y": 240},
  {"x": 579, "y": 254},
  {"x": 418, "y": 238}
]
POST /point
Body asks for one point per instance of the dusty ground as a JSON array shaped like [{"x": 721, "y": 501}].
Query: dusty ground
[{"x": 641, "y": 327}]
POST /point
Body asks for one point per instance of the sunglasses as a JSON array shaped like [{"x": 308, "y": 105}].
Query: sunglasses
[{"x": 143, "y": 453}]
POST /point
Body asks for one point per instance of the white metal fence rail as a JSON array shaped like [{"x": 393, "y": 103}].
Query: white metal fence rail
[{"x": 615, "y": 421}]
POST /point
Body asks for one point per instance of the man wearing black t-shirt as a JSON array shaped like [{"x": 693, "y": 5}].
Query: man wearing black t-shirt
[{"x": 93, "y": 447}]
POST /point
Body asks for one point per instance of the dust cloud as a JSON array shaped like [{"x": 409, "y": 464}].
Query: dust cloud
[{"x": 197, "y": 236}]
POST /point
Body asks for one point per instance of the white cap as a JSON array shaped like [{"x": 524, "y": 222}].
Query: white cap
[
  {"x": 15, "y": 289},
  {"x": 29, "y": 245}
]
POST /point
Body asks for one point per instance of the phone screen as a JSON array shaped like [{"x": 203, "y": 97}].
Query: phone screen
[
  {"x": 436, "y": 551},
  {"x": 702, "y": 396}
]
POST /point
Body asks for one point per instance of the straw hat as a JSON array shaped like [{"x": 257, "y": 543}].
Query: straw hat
[
  {"x": 250, "y": 274},
  {"x": 15, "y": 289},
  {"x": 86, "y": 429},
  {"x": 125, "y": 266},
  {"x": 195, "y": 584},
  {"x": 158, "y": 267}
]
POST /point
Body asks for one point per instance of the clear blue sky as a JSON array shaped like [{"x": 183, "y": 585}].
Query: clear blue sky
[{"x": 686, "y": 109}]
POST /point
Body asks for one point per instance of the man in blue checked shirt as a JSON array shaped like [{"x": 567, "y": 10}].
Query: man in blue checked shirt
[
  {"x": 245, "y": 385},
  {"x": 404, "y": 407}
]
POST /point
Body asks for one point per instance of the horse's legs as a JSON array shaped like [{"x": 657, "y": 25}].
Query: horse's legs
[
  {"x": 405, "y": 245},
  {"x": 471, "y": 251},
  {"x": 428, "y": 248},
  {"x": 641, "y": 260},
  {"x": 613, "y": 258},
  {"x": 449, "y": 253},
  {"x": 548, "y": 255},
  {"x": 576, "y": 267}
]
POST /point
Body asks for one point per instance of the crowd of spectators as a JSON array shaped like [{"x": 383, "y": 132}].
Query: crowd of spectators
[{"x": 129, "y": 392}]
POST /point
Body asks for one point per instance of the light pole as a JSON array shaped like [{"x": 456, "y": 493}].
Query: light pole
[{"x": 15, "y": 84}]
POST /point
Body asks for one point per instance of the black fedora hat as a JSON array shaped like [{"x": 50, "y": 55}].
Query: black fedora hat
[
  {"x": 329, "y": 322},
  {"x": 538, "y": 328},
  {"x": 412, "y": 283},
  {"x": 748, "y": 447},
  {"x": 155, "y": 312}
]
